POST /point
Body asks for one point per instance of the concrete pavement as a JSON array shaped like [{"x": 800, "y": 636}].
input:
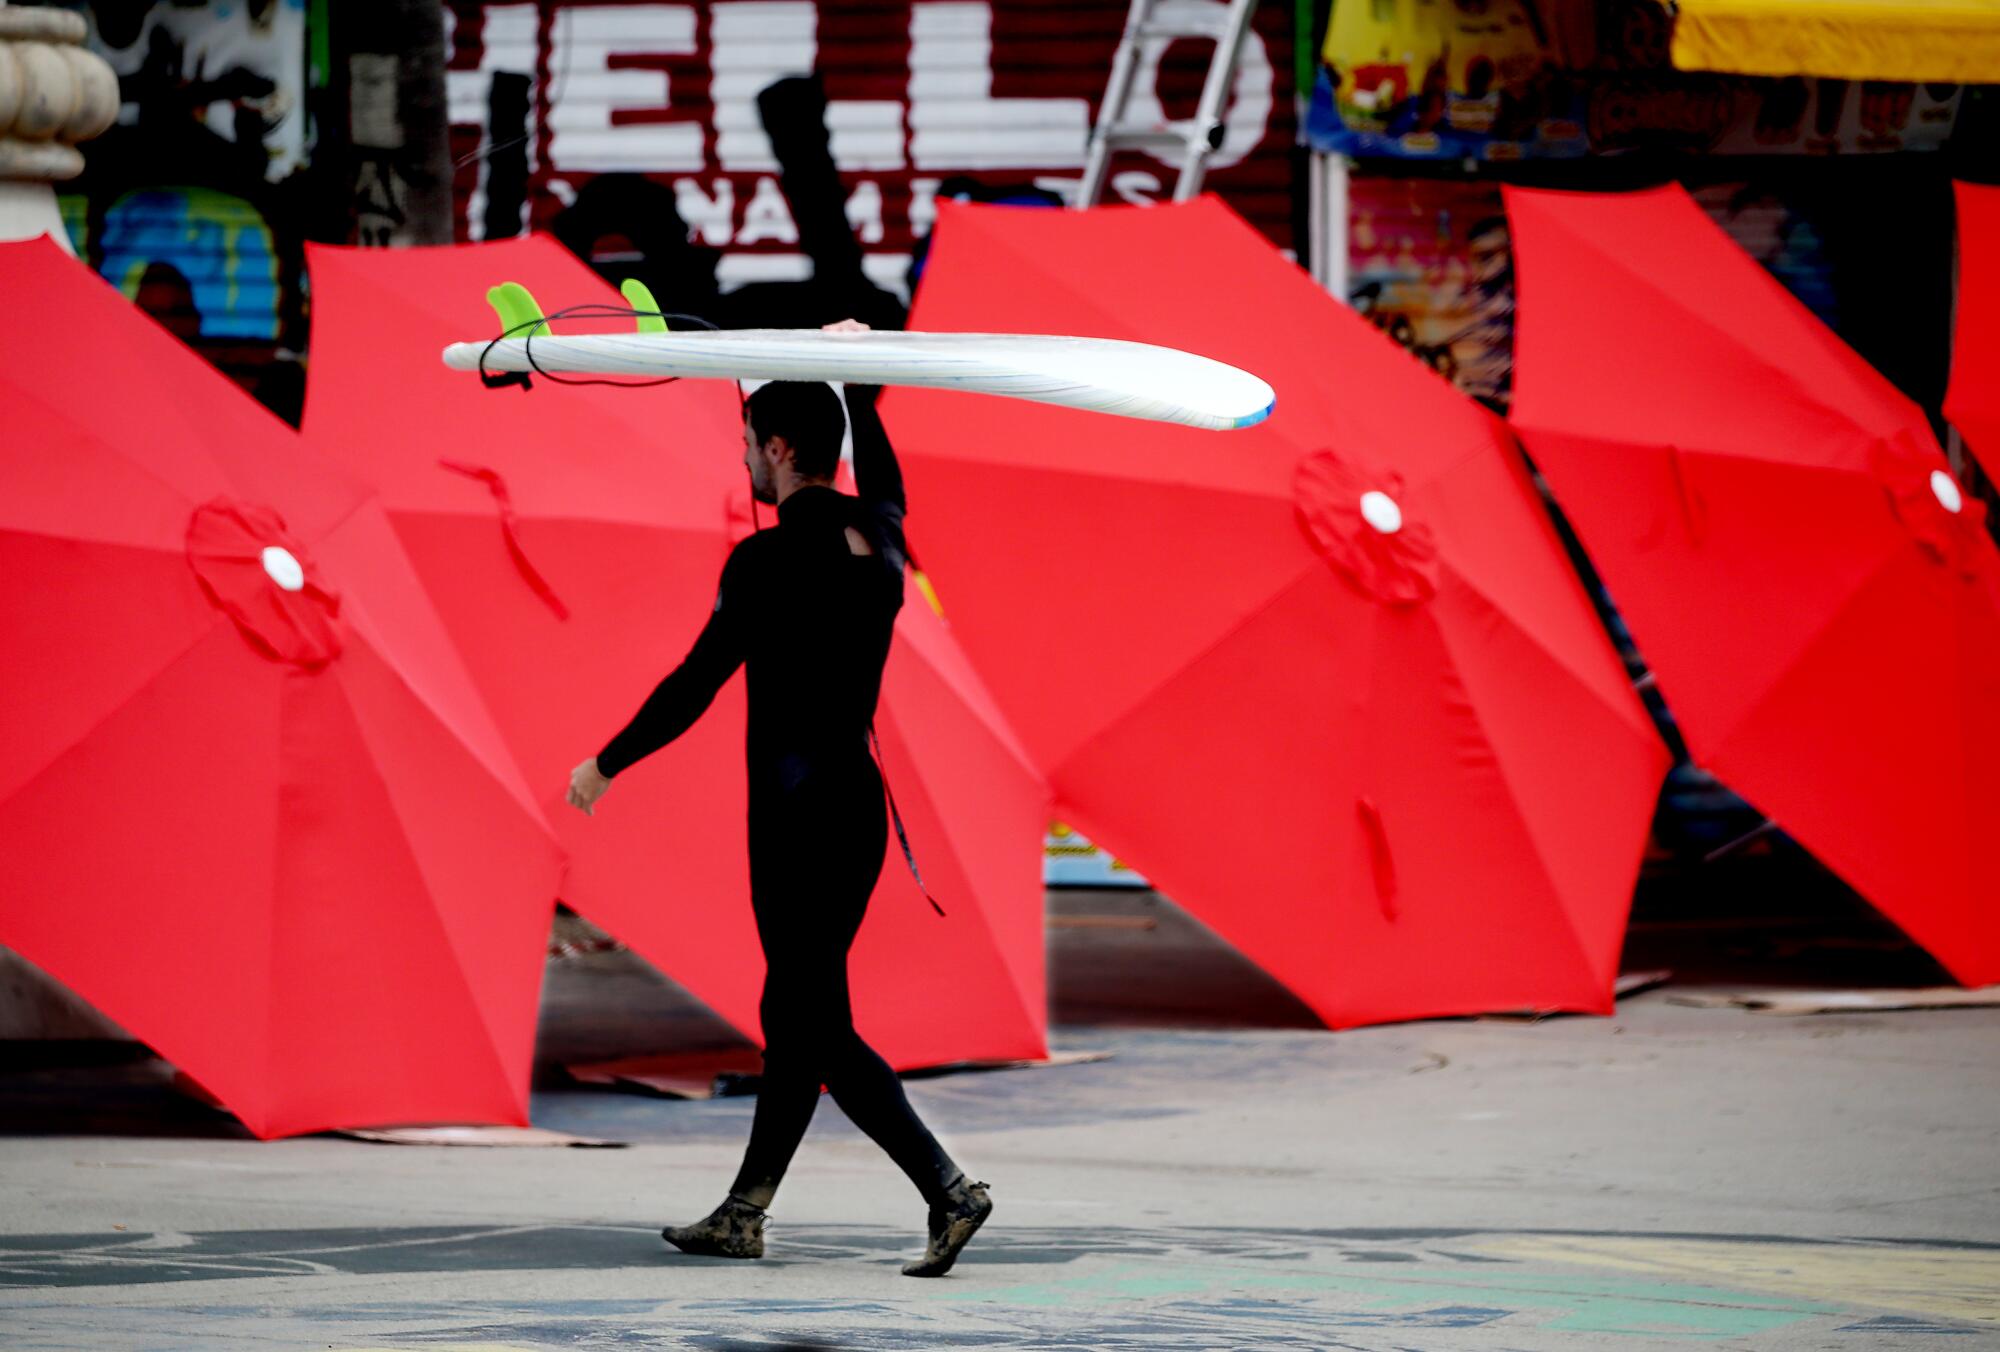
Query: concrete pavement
[{"x": 1668, "y": 1176}]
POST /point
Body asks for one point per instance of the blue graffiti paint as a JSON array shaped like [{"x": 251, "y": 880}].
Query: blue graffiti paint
[{"x": 216, "y": 241}]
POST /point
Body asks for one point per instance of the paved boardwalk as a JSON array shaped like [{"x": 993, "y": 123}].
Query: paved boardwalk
[{"x": 1671, "y": 1176}]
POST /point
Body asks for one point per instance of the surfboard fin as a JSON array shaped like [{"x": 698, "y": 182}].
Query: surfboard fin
[
  {"x": 520, "y": 317},
  {"x": 516, "y": 310},
  {"x": 640, "y": 297}
]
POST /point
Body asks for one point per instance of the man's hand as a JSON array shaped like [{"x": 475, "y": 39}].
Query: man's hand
[
  {"x": 586, "y": 786},
  {"x": 845, "y": 326}
]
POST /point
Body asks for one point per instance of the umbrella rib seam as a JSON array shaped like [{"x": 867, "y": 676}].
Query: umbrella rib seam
[
  {"x": 1718, "y": 743},
  {"x": 1622, "y": 703},
  {"x": 1301, "y": 576},
  {"x": 143, "y": 686},
  {"x": 1520, "y": 819},
  {"x": 1755, "y": 360},
  {"x": 417, "y": 860}
]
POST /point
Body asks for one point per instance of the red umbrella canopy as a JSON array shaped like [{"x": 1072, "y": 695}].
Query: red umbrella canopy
[
  {"x": 976, "y": 811},
  {"x": 251, "y": 804},
  {"x": 1973, "y": 401},
  {"x": 1819, "y": 600},
  {"x": 574, "y": 597},
  {"x": 1329, "y": 682}
]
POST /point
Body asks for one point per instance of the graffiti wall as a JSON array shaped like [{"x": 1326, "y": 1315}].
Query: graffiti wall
[
  {"x": 232, "y": 69},
  {"x": 920, "y": 99},
  {"x": 192, "y": 203},
  {"x": 668, "y": 141}
]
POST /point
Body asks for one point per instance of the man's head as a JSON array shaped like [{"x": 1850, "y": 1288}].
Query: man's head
[{"x": 791, "y": 426}]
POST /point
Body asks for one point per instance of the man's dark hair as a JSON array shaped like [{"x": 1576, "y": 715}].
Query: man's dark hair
[{"x": 807, "y": 414}]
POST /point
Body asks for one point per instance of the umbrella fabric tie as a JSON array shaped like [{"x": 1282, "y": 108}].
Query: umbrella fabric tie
[
  {"x": 1694, "y": 511},
  {"x": 253, "y": 571},
  {"x": 491, "y": 478},
  {"x": 1948, "y": 524},
  {"x": 1355, "y": 521},
  {"x": 1380, "y": 860},
  {"x": 902, "y": 836}
]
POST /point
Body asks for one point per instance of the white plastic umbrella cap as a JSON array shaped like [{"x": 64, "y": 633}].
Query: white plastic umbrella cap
[
  {"x": 1380, "y": 511},
  {"x": 283, "y": 568},
  {"x": 1947, "y": 492}
]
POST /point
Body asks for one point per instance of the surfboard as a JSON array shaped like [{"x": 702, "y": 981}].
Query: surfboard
[{"x": 1101, "y": 375}]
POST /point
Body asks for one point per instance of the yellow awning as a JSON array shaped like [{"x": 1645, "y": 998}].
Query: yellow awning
[{"x": 1955, "y": 41}]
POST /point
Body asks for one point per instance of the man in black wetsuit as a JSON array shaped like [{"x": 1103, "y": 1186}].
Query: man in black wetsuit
[{"x": 807, "y": 608}]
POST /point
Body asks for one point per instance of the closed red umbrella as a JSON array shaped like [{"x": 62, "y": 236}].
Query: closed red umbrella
[
  {"x": 1973, "y": 401},
  {"x": 1328, "y": 682},
  {"x": 1818, "y": 599},
  {"x": 251, "y": 804},
  {"x": 572, "y": 538}
]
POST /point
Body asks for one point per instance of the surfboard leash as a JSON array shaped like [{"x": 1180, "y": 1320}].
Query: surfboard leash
[
  {"x": 902, "y": 836},
  {"x": 588, "y": 310}
]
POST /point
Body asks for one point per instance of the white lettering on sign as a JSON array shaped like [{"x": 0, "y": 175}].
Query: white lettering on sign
[
  {"x": 768, "y": 216},
  {"x": 712, "y": 218},
  {"x": 582, "y": 132},
  {"x": 923, "y": 204},
  {"x": 508, "y": 43},
  {"x": 757, "y": 42},
  {"x": 670, "y": 91},
  {"x": 956, "y": 123},
  {"x": 864, "y": 211}
]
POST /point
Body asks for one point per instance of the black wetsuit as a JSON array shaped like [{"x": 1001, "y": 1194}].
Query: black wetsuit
[{"x": 810, "y": 621}]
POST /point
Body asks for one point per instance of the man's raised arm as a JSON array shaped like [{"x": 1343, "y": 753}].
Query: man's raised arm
[{"x": 878, "y": 478}]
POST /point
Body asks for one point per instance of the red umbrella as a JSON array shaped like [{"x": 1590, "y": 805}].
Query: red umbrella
[
  {"x": 1819, "y": 601},
  {"x": 572, "y": 538},
  {"x": 1973, "y": 403},
  {"x": 1328, "y": 682},
  {"x": 251, "y": 805}
]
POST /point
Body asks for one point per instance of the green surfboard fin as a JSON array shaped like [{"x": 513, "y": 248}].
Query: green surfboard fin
[
  {"x": 516, "y": 309},
  {"x": 640, "y": 297}
]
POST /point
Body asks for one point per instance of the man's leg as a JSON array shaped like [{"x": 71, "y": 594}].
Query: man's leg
[
  {"x": 867, "y": 1090},
  {"x": 871, "y": 1095},
  {"x": 785, "y": 1101},
  {"x": 789, "y": 1090},
  {"x": 860, "y": 1081},
  {"x": 785, "y": 1104}
]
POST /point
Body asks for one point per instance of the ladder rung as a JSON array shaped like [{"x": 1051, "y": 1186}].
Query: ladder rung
[
  {"x": 1148, "y": 135},
  {"x": 1149, "y": 132},
  {"x": 1190, "y": 141},
  {"x": 1214, "y": 29}
]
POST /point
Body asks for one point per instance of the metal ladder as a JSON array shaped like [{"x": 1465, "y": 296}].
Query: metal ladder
[{"x": 1149, "y": 26}]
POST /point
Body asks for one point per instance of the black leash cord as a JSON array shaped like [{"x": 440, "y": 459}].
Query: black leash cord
[
  {"x": 902, "y": 836},
  {"x": 588, "y": 310}
]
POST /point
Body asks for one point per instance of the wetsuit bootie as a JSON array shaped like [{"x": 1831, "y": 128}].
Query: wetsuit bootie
[
  {"x": 733, "y": 1230},
  {"x": 952, "y": 1222}
]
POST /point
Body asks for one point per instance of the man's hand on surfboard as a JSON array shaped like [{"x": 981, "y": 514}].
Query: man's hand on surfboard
[
  {"x": 586, "y": 786},
  {"x": 845, "y": 326}
]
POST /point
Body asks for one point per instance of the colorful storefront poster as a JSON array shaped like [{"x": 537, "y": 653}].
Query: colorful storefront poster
[
  {"x": 1428, "y": 264},
  {"x": 1438, "y": 79},
  {"x": 1502, "y": 80},
  {"x": 1070, "y": 860}
]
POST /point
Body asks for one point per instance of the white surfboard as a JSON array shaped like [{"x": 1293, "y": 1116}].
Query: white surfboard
[{"x": 1102, "y": 375}]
